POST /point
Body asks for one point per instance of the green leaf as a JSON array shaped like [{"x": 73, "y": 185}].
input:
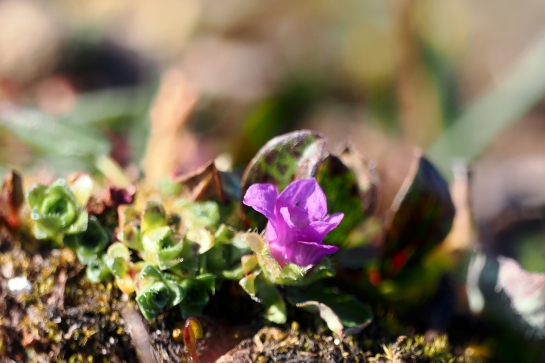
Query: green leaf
[
  {"x": 154, "y": 216},
  {"x": 342, "y": 191},
  {"x": 80, "y": 224},
  {"x": 248, "y": 284},
  {"x": 262, "y": 291},
  {"x": 282, "y": 160},
  {"x": 268, "y": 295},
  {"x": 90, "y": 243},
  {"x": 419, "y": 219},
  {"x": 197, "y": 297},
  {"x": 202, "y": 237},
  {"x": 117, "y": 258},
  {"x": 36, "y": 195},
  {"x": 224, "y": 234},
  {"x": 150, "y": 272},
  {"x": 97, "y": 271},
  {"x": 156, "y": 239},
  {"x": 131, "y": 236},
  {"x": 157, "y": 291},
  {"x": 201, "y": 214},
  {"x": 493, "y": 112},
  {"x": 51, "y": 135},
  {"x": 343, "y": 313}
]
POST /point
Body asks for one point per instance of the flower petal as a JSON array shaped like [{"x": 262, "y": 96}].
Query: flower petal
[
  {"x": 262, "y": 198},
  {"x": 316, "y": 231},
  {"x": 307, "y": 253},
  {"x": 305, "y": 200},
  {"x": 271, "y": 233},
  {"x": 287, "y": 231}
]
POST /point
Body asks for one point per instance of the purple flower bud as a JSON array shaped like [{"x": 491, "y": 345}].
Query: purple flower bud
[{"x": 298, "y": 220}]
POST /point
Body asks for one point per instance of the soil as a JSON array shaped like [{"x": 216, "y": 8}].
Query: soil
[{"x": 64, "y": 318}]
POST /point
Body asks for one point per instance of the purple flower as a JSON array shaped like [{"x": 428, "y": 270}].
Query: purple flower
[{"x": 298, "y": 220}]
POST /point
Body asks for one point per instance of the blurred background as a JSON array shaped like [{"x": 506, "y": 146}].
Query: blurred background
[
  {"x": 159, "y": 87},
  {"x": 83, "y": 79}
]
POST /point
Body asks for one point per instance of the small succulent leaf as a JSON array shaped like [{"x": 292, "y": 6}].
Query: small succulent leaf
[
  {"x": 127, "y": 214},
  {"x": 150, "y": 272},
  {"x": 174, "y": 221},
  {"x": 169, "y": 256},
  {"x": 202, "y": 237},
  {"x": 254, "y": 241},
  {"x": 190, "y": 249},
  {"x": 248, "y": 284},
  {"x": 235, "y": 274},
  {"x": 154, "y": 216},
  {"x": 70, "y": 241},
  {"x": 343, "y": 313},
  {"x": 249, "y": 263},
  {"x": 41, "y": 233},
  {"x": 216, "y": 260},
  {"x": 119, "y": 250},
  {"x": 178, "y": 293},
  {"x": 340, "y": 186},
  {"x": 97, "y": 271},
  {"x": 156, "y": 239},
  {"x": 131, "y": 236},
  {"x": 149, "y": 303},
  {"x": 80, "y": 224},
  {"x": 201, "y": 214},
  {"x": 268, "y": 295},
  {"x": 207, "y": 281},
  {"x": 196, "y": 299},
  {"x": 283, "y": 159},
  {"x": 224, "y": 234},
  {"x": 49, "y": 224},
  {"x": 420, "y": 217},
  {"x": 35, "y": 196},
  {"x": 118, "y": 258},
  {"x": 91, "y": 242},
  {"x": 81, "y": 184}
]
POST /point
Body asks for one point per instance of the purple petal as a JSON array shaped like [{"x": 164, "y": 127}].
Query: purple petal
[
  {"x": 316, "y": 231},
  {"x": 305, "y": 201},
  {"x": 278, "y": 252},
  {"x": 262, "y": 198},
  {"x": 271, "y": 233},
  {"x": 287, "y": 231},
  {"x": 307, "y": 253}
]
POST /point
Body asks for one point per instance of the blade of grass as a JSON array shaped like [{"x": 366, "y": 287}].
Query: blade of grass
[{"x": 493, "y": 112}]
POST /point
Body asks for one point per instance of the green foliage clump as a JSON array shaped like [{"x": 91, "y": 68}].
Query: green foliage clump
[{"x": 58, "y": 209}]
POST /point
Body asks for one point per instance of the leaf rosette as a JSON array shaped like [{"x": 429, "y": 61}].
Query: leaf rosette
[
  {"x": 90, "y": 243},
  {"x": 198, "y": 292},
  {"x": 58, "y": 209},
  {"x": 157, "y": 291}
]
